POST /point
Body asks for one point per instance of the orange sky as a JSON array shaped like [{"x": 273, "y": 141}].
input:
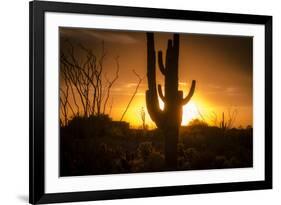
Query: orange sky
[{"x": 221, "y": 65}]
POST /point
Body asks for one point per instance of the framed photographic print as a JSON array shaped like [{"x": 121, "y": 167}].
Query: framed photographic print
[{"x": 140, "y": 102}]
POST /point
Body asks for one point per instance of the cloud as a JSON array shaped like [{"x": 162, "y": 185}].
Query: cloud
[
  {"x": 216, "y": 89},
  {"x": 107, "y": 36},
  {"x": 114, "y": 37},
  {"x": 232, "y": 91},
  {"x": 214, "y": 86},
  {"x": 182, "y": 83},
  {"x": 128, "y": 89}
]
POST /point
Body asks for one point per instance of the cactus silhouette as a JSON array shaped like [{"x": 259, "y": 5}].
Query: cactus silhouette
[
  {"x": 223, "y": 124},
  {"x": 169, "y": 119}
]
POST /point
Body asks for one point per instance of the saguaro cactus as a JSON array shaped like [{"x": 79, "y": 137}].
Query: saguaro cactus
[
  {"x": 169, "y": 119},
  {"x": 223, "y": 124}
]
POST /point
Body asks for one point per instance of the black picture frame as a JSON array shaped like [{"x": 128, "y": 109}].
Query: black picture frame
[{"x": 37, "y": 193}]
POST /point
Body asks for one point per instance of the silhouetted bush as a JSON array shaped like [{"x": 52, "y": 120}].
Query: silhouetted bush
[{"x": 98, "y": 145}]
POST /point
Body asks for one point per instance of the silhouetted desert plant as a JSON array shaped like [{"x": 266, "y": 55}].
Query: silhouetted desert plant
[
  {"x": 98, "y": 145},
  {"x": 84, "y": 81},
  {"x": 142, "y": 115},
  {"x": 223, "y": 124},
  {"x": 170, "y": 118},
  {"x": 145, "y": 149}
]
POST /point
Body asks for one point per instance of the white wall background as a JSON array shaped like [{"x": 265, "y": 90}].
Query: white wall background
[{"x": 14, "y": 100}]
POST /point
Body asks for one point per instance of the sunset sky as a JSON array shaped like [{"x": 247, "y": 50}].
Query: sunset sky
[{"x": 221, "y": 66}]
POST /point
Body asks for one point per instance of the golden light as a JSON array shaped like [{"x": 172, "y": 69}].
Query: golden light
[{"x": 189, "y": 113}]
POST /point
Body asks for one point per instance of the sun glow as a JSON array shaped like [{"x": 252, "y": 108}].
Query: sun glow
[{"x": 189, "y": 113}]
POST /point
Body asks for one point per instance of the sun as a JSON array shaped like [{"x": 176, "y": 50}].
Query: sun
[{"x": 189, "y": 113}]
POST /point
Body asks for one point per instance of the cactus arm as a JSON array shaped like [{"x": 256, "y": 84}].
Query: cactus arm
[
  {"x": 160, "y": 63},
  {"x": 152, "y": 101},
  {"x": 151, "y": 73},
  {"x": 161, "y": 93},
  {"x": 190, "y": 94},
  {"x": 153, "y": 109}
]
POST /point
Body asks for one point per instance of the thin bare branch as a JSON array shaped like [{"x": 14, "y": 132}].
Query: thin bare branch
[
  {"x": 134, "y": 94},
  {"x": 110, "y": 84}
]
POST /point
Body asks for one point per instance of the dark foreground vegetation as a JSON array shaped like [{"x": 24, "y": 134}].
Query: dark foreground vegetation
[{"x": 98, "y": 145}]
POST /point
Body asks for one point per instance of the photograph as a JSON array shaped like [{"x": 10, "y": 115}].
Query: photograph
[
  {"x": 132, "y": 102},
  {"x": 144, "y": 101}
]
